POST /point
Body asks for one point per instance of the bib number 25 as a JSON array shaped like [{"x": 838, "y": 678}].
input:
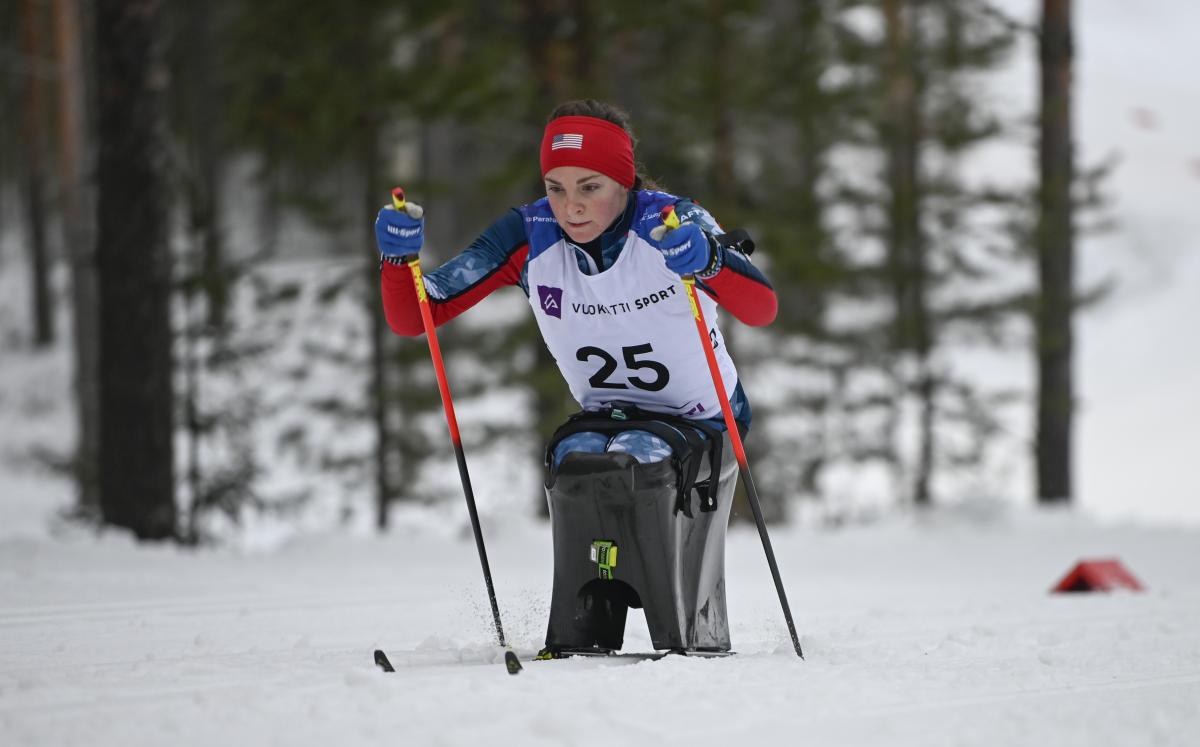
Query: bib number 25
[{"x": 608, "y": 366}]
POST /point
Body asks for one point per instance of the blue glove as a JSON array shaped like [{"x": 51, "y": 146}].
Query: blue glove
[
  {"x": 398, "y": 234},
  {"x": 687, "y": 249}
]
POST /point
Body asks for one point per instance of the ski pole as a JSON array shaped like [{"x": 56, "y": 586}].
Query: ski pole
[
  {"x": 671, "y": 222},
  {"x": 435, "y": 351}
]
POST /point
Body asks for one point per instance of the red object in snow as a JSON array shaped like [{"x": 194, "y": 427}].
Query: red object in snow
[{"x": 1098, "y": 575}]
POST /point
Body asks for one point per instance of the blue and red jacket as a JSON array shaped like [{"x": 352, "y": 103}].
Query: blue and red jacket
[{"x": 497, "y": 258}]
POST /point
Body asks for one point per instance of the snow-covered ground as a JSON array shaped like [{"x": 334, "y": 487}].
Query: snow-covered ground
[{"x": 917, "y": 631}]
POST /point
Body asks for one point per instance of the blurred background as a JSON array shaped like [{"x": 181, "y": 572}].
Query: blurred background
[{"x": 980, "y": 219}]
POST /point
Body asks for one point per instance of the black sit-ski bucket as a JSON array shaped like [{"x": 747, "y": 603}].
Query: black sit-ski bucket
[{"x": 631, "y": 535}]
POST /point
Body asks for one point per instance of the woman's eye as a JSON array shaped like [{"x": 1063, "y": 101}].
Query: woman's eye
[{"x": 552, "y": 188}]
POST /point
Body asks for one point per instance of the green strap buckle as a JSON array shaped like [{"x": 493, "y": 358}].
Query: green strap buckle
[{"x": 604, "y": 554}]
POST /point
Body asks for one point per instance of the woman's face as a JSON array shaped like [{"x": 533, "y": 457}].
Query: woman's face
[{"x": 584, "y": 202}]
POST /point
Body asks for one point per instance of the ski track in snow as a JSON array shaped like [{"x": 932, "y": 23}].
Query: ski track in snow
[{"x": 915, "y": 632}]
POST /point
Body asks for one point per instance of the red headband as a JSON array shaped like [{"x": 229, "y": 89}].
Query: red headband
[{"x": 589, "y": 143}]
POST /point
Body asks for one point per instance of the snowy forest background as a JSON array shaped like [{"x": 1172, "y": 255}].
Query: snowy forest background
[{"x": 190, "y": 331}]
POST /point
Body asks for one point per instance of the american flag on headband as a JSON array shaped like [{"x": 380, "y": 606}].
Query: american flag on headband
[{"x": 574, "y": 142}]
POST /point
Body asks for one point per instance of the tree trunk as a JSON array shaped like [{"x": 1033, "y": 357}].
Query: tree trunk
[
  {"x": 137, "y": 487},
  {"x": 77, "y": 198},
  {"x": 385, "y": 448},
  {"x": 1056, "y": 260},
  {"x": 906, "y": 244},
  {"x": 375, "y": 195},
  {"x": 205, "y": 205},
  {"x": 37, "y": 63}
]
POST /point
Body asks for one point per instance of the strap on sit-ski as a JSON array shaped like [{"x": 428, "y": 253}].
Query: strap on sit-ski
[{"x": 681, "y": 434}]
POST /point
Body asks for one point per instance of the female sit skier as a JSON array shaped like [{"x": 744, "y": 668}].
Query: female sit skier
[{"x": 611, "y": 307}]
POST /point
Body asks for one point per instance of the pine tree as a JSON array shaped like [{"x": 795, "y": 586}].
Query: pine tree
[
  {"x": 922, "y": 257},
  {"x": 795, "y": 120},
  {"x": 314, "y": 125}
]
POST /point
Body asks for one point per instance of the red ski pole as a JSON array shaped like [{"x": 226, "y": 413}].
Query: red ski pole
[
  {"x": 670, "y": 222},
  {"x": 435, "y": 351}
]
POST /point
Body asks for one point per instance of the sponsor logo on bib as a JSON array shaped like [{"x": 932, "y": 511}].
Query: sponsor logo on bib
[{"x": 551, "y": 300}]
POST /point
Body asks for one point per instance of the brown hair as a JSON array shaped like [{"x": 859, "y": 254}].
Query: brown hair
[{"x": 609, "y": 113}]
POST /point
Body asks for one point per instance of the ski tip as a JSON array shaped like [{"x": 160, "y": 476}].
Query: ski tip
[
  {"x": 512, "y": 663},
  {"x": 382, "y": 662}
]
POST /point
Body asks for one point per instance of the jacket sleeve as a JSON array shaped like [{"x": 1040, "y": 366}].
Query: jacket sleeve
[
  {"x": 494, "y": 259},
  {"x": 737, "y": 286}
]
